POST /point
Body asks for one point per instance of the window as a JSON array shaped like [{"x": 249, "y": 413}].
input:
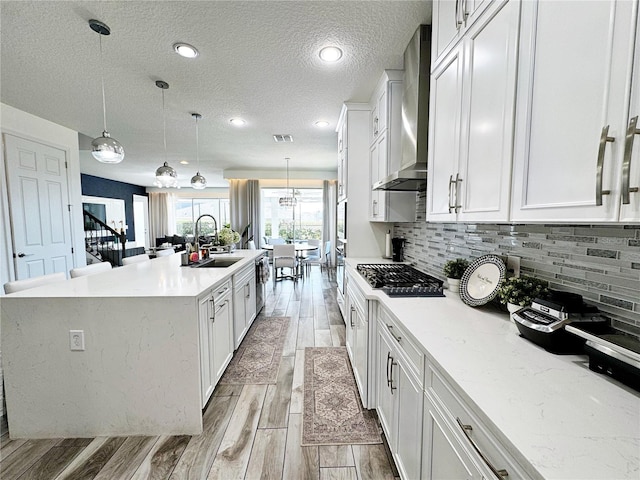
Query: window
[
  {"x": 189, "y": 209},
  {"x": 304, "y": 220}
]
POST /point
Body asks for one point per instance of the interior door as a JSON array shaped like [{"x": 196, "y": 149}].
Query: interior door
[
  {"x": 39, "y": 207},
  {"x": 141, "y": 220}
]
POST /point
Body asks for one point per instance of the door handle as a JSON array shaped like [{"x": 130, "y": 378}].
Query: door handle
[
  {"x": 388, "y": 359},
  {"x": 21, "y": 255},
  {"x": 451, "y": 182},
  {"x": 632, "y": 131},
  {"x": 458, "y": 180},
  {"x": 604, "y": 138},
  {"x": 391, "y": 387}
]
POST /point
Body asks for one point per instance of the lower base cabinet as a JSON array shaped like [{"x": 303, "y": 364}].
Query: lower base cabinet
[
  {"x": 399, "y": 405},
  {"x": 244, "y": 303},
  {"x": 215, "y": 321}
]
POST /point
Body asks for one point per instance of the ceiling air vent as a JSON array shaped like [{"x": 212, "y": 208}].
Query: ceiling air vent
[{"x": 282, "y": 138}]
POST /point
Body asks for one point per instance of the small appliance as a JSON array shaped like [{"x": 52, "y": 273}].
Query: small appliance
[
  {"x": 400, "y": 280},
  {"x": 544, "y": 322},
  {"x": 398, "y": 248}
]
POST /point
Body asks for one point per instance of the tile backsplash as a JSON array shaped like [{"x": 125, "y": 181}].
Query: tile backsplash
[{"x": 601, "y": 263}]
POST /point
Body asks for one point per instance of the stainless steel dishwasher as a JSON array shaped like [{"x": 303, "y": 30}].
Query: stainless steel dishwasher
[{"x": 260, "y": 286}]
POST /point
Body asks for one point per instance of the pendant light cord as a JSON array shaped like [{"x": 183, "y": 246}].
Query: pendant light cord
[
  {"x": 164, "y": 128},
  {"x": 104, "y": 103},
  {"x": 197, "y": 146}
]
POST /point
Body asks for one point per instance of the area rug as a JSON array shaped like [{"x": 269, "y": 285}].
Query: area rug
[
  {"x": 333, "y": 413},
  {"x": 258, "y": 357}
]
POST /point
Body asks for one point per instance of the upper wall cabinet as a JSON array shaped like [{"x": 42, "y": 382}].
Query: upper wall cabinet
[
  {"x": 575, "y": 158},
  {"x": 451, "y": 18},
  {"x": 472, "y": 110}
]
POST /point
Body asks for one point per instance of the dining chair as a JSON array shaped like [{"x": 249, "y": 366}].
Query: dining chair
[
  {"x": 313, "y": 256},
  {"x": 284, "y": 256},
  {"x": 165, "y": 252},
  {"x": 90, "y": 269},
  {"x": 143, "y": 257},
  {"x": 327, "y": 255},
  {"x": 19, "y": 285}
]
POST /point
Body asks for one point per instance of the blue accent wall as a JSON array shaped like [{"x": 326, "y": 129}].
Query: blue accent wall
[{"x": 102, "y": 187}]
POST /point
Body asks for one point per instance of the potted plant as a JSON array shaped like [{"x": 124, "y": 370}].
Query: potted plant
[
  {"x": 453, "y": 270},
  {"x": 228, "y": 237},
  {"x": 518, "y": 292}
]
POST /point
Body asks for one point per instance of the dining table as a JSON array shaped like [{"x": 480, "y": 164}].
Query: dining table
[{"x": 301, "y": 250}]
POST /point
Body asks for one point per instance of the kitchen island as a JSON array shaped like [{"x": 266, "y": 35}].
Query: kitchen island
[
  {"x": 140, "y": 370},
  {"x": 549, "y": 414}
]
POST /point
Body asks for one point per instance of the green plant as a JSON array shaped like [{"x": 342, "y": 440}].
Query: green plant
[
  {"x": 522, "y": 290},
  {"x": 455, "y": 268},
  {"x": 228, "y": 236}
]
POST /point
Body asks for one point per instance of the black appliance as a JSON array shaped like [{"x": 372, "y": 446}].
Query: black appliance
[
  {"x": 398, "y": 249},
  {"x": 544, "y": 322},
  {"x": 400, "y": 280}
]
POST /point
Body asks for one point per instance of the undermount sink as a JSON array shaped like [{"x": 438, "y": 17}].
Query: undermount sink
[{"x": 218, "y": 262}]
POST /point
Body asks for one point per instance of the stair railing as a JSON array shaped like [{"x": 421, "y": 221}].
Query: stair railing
[{"x": 100, "y": 236}]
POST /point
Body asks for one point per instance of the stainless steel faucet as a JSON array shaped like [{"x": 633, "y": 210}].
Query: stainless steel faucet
[{"x": 215, "y": 230}]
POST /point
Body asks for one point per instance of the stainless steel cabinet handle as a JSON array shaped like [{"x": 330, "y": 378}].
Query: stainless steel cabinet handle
[
  {"x": 247, "y": 290},
  {"x": 451, "y": 182},
  {"x": 375, "y": 126},
  {"x": 467, "y": 429},
  {"x": 457, "y": 181},
  {"x": 632, "y": 131},
  {"x": 220, "y": 292},
  {"x": 213, "y": 309},
  {"x": 458, "y": 19},
  {"x": 375, "y": 208},
  {"x": 351, "y": 316},
  {"x": 391, "y": 387},
  {"x": 390, "y": 328},
  {"x": 465, "y": 12},
  {"x": 604, "y": 138},
  {"x": 388, "y": 360}
]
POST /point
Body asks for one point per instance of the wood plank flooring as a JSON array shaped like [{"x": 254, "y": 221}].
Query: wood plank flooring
[{"x": 250, "y": 432}]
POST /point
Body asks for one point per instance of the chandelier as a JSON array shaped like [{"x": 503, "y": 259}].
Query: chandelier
[{"x": 288, "y": 201}]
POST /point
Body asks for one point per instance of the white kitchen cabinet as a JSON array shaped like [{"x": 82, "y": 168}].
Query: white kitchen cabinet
[
  {"x": 357, "y": 338},
  {"x": 574, "y": 84},
  {"x": 473, "y": 99},
  {"x": 457, "y": 444},
  {"x": 450, "y": 20},
  {"x": 244, "y": 302},
  {"x": 385, "y": 151},
  {"x": 342, "y": 131},
  {"x": 399, "y": 395},
  {"x": 216, "y": 336}
]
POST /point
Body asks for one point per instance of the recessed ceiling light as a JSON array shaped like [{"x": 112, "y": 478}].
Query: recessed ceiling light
[
  {"x": 321, "y": 124},
  {"x": 330, "y": 54},
  {"x": 184, "y": 162},
  {"x": 185, "y": 50},
  {"x": 238, "y": 122}
]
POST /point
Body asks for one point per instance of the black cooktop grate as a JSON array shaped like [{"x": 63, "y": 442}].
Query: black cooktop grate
[{"x": 400, "y": 280}]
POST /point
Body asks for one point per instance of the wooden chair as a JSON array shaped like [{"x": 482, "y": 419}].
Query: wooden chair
[
  {"x": 19, "y": 285},
  {"x": 284, "y": 256},
  {"x": 90, "y": 269},
  {"x": 143, "y": 257}
]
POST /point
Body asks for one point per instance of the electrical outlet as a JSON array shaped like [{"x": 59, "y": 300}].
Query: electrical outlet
[
  {"x": 76, "y": 340},
  {"x": 513, "y": 266}
]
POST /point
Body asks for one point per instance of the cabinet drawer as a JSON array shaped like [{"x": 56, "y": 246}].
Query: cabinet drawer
[
  {"x": 221, "y": 291},
  {"x": 414, "y": 357},
  {"x": 357, "y": 297},
  {"x": 481, "y": 444}
]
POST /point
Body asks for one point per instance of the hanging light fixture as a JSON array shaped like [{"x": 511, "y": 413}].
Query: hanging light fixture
[
  {"x": 198, "y": 181},
  {"x": 166, "y": 176},
  {"x": 104, "y": 149},
  {"x": 288, "y": 201}
]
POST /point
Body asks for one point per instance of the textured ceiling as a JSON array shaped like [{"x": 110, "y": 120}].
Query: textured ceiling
[{"x": 258, "y": 60}]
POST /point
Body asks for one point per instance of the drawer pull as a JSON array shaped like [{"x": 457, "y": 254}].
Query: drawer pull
[
  {"x": 353, "y": 309},
  {"x": 390, "y": 328},
  {"x": 467, "y": 429}
]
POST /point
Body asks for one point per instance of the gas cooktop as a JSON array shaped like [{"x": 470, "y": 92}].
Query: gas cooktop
[{"x": 400, "y": 280}]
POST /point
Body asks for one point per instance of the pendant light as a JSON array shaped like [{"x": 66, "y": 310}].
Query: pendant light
[
  {"x": 166, "y": 176},
  {"x": 198, "y": 181},
  {"x": 104, "y": 149},
  {"x": 288, "y": 201}
]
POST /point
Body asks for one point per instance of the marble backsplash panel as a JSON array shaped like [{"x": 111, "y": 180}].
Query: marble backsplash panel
[{"x": 601, "y": 263}]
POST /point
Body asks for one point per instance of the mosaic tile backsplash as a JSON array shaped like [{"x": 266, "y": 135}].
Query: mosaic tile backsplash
[{"x": 601, "y": 263}]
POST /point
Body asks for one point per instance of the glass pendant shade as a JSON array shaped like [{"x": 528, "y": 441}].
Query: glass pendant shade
[
  {"x": 166, "y": 176},
  {"x": 106, "y": 149},
  {"x": 198, "y": 181}
]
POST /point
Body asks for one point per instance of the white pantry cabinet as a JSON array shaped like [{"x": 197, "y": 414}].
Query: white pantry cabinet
[
  {"x": 472, "y": 103},
  {"x": 385, "y": 151},
  {"x": 244, "y": 302},
  {"x": 399, "y": 397},
  {"x": 451, "y": 18},
  {"x": 216, "y": 336},
  {"x": 574, "y": 83}
]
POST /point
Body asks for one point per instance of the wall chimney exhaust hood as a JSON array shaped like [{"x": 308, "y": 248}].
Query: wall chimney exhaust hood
[{"x": 410, "y": 172}]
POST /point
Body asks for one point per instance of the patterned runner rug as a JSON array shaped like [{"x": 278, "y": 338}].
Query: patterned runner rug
[
  {"x": 333, "y": 413},
  {"x": 258, "y": 357}
]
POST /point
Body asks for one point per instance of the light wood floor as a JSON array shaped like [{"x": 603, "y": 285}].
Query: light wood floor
[{"x": 250, "y": 432}]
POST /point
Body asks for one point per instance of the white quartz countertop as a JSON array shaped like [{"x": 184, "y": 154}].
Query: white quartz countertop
[
  {"x": 159, "y": 277},
  {"x": 550, "y": 411}
]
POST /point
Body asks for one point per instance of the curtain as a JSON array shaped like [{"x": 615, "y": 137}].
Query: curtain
[
  {"x": 162, "y": 220},
  {"x": 244, "y": 204},
  {"x": 329, "y": 204}
]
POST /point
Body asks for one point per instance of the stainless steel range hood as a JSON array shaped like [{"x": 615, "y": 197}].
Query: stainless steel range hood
[{"x": 410, "y": 173}]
